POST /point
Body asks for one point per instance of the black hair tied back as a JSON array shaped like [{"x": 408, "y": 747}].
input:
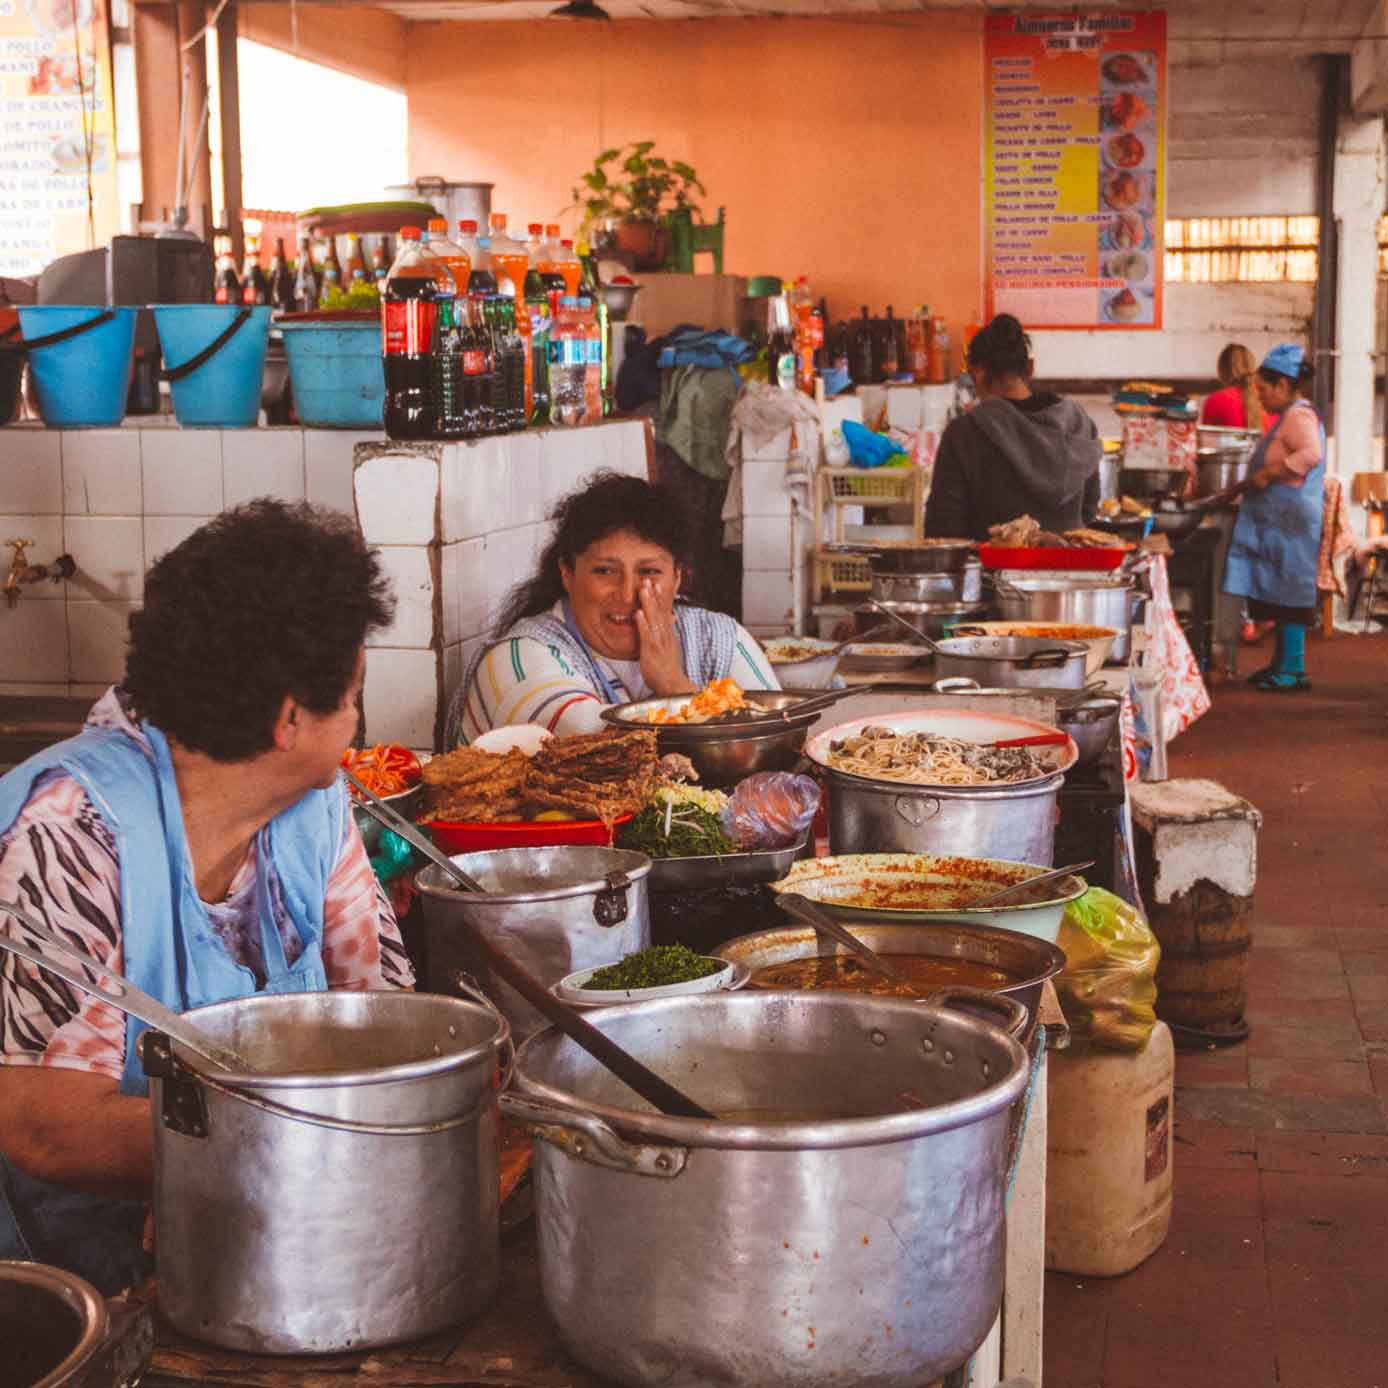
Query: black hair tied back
[{"x": 1002, "y": 348}]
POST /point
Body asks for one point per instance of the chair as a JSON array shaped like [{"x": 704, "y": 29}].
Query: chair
[{"x": 688, "y": 238}]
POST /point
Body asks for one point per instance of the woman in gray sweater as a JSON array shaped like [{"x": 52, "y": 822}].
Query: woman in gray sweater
[{"x": 1017, "y": 452}]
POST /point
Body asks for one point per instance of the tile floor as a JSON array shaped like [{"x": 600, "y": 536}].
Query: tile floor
[{"x": 1275, "y": 1274}]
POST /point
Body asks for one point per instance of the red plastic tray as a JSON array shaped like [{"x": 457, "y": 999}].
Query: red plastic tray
[
  {"x": 457, "y": 836},
  {"x": 1040, "y": 557}
]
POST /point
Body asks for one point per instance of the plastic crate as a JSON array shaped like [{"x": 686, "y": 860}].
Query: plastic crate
[
  {"x": 842, "y": 573},
  {"x": 871, "y": 487}
]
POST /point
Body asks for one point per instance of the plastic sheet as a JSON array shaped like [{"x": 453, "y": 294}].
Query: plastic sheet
[
  {"x": 1108, "y": 989},
  {"x": 771, "y": 809}
]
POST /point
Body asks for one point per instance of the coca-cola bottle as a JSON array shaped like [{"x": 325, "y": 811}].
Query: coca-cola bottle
[
  {"x": 226, "y": 286},
  {"x": 446, "y": 376},
  {"x": 255, "y": 288},
  {"x": 281, "y": 282},
  {"x": 408, "y": 308}
]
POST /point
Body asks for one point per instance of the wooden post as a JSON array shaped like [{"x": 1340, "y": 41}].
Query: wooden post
[
  {"x": 192, "y": 16},
  {"x": 229, "y": 89},
  {"x": 154, "y": 30}
]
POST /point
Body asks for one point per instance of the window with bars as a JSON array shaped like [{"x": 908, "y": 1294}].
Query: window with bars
[{"x": 1250, "y": 250}]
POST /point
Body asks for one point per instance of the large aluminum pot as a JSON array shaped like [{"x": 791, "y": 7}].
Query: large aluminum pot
[
  {"x": 1091, "y": 723},
  {"x": 1012, "y": 662},
  {"x": 963, "y": 585},
  {"x": 1012, "y": 822},
  {"x": 343, "y": 1195},
  {"x": 1028, "y": 959},
  {"x": 933, "y": 555},
  {"x": 1069, "y": 601},
  {"x": 554, "y": 910},
  {"x": 1218, "y": 469},
  {"x": 843, "y": 1250}
]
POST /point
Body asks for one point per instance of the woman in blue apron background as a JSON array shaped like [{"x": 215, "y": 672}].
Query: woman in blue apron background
[
  {"x": 1275, "y": 550},
  {"x": 195, "y": 837}
]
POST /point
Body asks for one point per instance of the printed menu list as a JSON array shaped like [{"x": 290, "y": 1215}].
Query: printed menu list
[
  {"x": 1074, "y": 180},
  {"x": 55, "y": 96}
]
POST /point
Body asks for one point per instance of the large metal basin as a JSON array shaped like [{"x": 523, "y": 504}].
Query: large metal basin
[
  {"x": 1012, "y": 662},
  {"x": 1069, "y": 602},
  {"x": 863, "y": 1252},
  {"x": 1030, "y": 960}
]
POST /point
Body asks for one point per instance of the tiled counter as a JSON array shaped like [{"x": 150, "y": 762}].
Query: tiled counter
[{"x": 116, "y": 499}]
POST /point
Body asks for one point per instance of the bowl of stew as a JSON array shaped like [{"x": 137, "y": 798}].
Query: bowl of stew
[{"x": 795, "y": 958}]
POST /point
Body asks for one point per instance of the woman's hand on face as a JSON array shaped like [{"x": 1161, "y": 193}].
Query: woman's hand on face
[{"x": 662, "y": 656}]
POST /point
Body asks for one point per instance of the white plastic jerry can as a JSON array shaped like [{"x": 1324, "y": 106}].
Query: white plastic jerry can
[{"x": 1108, "y": 1157}]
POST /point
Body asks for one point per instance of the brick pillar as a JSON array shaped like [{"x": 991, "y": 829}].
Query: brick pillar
[{"x": 1197, "y": 860}]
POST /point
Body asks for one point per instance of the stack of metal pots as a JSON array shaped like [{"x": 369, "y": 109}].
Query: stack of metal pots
[{"x": 932, "y": 586}]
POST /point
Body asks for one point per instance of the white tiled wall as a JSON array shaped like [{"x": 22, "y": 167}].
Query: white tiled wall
[
  {"x": 460, "y": 524},
  {"x": 116, "y": 499}
]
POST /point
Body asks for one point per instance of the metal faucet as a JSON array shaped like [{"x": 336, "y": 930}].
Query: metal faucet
[{"x": 22, "y": 571}]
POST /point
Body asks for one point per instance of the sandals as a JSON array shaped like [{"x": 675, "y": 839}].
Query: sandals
[{"x": 1280, "y": 682}]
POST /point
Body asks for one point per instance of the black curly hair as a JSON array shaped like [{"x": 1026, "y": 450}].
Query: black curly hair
[
  {"x": 269, "y": 599},
  {"x": 1002, "y": 348},
  {"x": 610, "y": 502}
]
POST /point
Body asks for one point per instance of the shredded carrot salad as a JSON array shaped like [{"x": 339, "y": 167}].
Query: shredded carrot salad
[
  {"x": 386, "y": 769},
  {"x": 714, "y": 700}
]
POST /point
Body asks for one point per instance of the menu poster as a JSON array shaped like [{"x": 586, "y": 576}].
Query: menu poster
[
  {"x": 55, "y": 110},
  {"x": 1075, "y": 165}
]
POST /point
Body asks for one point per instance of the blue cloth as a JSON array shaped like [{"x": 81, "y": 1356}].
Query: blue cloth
[
  {"x": 1275, "y": 551},
  {"x": 1286, "y": 359},
  {"x": 708, "y": 640},
  {"x": 169, "y": 949},
  {"x": 709, "y": 349},
  {"x": 868, "y": 449}
]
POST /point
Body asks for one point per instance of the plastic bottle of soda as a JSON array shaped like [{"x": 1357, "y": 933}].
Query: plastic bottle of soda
[
  {"x": 891, "y": 355},
  {"x": 917, "y": 350},
  {"x": 511, "y": 264},
  {"x": 255, "y": 288},
  {"x": 408, "y": 308},
  {"x": 281, "y": 282},
  {"x": 590, "y": 328},
  {"x": 447, "y": 393},
  {"x": 803, "y": 319},
  {"x": 332, "y": 274},
  {"x": 938, "y": 353},
  {"x": 228, "y": 286},
  {"x": 307, "y": 280},
  {"x": 477, "y": 379},
  {"x": 540, "y": 312},
  {"x": 448, "y": 260},
  {"x": 590, "y": 286},
  {"x": 568, "y": 367}
]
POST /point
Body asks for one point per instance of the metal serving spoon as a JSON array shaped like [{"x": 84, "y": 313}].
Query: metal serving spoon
[
  {"x": 795, "y": 904},
  {"x": 993, "y": 897},
  {"x": 93, "y": 977}
]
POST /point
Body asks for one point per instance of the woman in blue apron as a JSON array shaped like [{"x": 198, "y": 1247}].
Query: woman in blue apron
[
  {"x": 599, "y": 624},
  {"x": 1275, "y": 551},
  {"x": 196, "y": 837}
]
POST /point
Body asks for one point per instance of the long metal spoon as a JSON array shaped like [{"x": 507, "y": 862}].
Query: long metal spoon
[
  {"x": 795, "y": 904},
  {"x": 915, "y": 631},
  {"x": 654, "y": 1090},
  {"x": 1030, "y": 882},
  {"x": 93, "y": 977}
]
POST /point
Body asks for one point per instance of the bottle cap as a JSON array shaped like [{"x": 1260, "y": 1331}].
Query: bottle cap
[
  {"x": 567, "y": 245},
  {"x": 552, "y": 229},
  {"x": 406, "y": 234},
  {"x": 534, "y": 228},
  {"x": 438, "y": 226},
  {"x": 468, "y": 228},
  {"x": 498, "y": 221}
]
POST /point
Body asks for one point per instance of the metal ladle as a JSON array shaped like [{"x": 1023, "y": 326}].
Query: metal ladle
[
  {"x": 795, "y": 904},
  {"x": 1025, "y": 885},
  {"x": 93, "y": 977},
  {"x": 654, "y": 1090},
  {"x": 915, "y": 631}
]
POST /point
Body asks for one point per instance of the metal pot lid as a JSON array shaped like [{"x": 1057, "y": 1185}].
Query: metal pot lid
[
  {"x": 1020, "y": 649},
  {"x": 968, "y": 725},
  {"x": 929, "y": 609}
]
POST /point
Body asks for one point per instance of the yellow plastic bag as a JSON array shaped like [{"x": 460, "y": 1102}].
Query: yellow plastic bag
[{"x": 1108, "y": 989}]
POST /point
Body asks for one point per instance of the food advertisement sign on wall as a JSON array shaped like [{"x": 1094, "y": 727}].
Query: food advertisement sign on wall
[
  {"x": 1075, "y": 168},
  {"x": 57, "y": 132}
]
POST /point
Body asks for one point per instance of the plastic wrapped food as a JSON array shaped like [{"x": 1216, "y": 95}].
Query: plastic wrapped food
[
  {"x": 771, "y": 809},
  {"x": 1108, "y": 990}
]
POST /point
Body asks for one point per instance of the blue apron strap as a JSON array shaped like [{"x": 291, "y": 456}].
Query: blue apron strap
[{"x": 609, "y": 692}]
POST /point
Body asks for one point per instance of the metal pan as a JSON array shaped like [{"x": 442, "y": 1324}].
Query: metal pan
[{"x": 723, "y": 869}]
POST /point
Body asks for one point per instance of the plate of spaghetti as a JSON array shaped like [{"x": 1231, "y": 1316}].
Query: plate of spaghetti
[{"x": 940, "y": 748}]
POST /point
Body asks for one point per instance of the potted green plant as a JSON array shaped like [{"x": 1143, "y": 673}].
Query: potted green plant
[{"x": 632, "y": 189}]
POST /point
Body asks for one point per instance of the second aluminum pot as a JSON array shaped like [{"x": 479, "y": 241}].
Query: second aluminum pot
[
  {"x": 963, "y": 585},
  {"x": 1012, "y": 822},
  {"x": 345, "y": 1194},
  {"x": 1012, "y": 662},
  {"x": 1068, "y": 602},
  {"x": 794, "y": 1245},
  {"x": 554, "y": 910}
]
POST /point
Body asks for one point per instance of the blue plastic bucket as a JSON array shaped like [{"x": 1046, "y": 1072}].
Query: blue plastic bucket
[
  {"x": 81, "y": 382},
  {"x": 336, "y": 373},
  {"x": 224, "y": 391}
]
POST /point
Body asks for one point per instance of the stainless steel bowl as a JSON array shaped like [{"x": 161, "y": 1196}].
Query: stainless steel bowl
[
  {"x": 1091, "y": 724},
  {"x": 920, "y": 556},
  {"x": 725, "y": 753},
  {"x": 964, "y": 585},
  {"x": 1217, "y": 469}
]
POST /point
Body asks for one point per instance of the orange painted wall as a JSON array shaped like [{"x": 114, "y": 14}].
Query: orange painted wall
[
  {"x": 845, "y": 149},
  {"x": 366, "y": 43}
]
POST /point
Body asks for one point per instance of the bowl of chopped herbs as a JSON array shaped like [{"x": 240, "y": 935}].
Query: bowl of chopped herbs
[{"x": 661, "y": 971}]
